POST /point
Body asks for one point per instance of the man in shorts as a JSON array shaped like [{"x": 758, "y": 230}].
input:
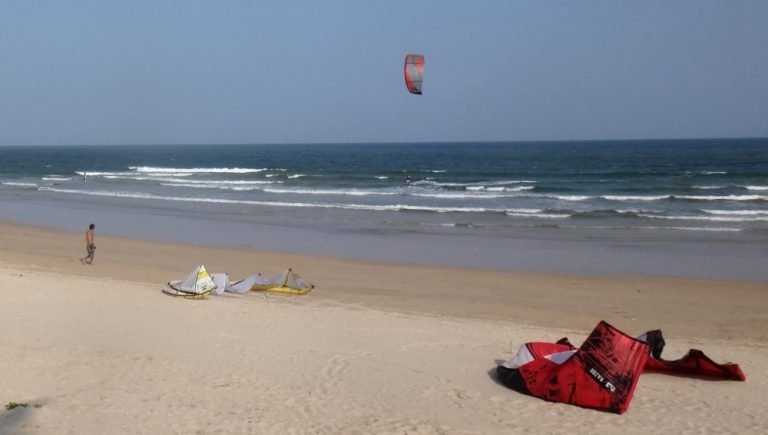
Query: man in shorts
[{"x": 90, "y": 247}]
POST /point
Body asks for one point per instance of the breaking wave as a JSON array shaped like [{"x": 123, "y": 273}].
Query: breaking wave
[
  {"x": 19, "y": 184},
  {"x": 388, "y": 207},
  {"x": 706, "y": 218},
  {"x": 162, "y": 170}
]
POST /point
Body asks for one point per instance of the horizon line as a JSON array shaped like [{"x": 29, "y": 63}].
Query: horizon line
[{"x": 395, "y": 143}]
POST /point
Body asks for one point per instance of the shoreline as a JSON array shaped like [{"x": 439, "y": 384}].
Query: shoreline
[
  {"x": 567, "y": 251},
  {"x": 691, "y": 308}
]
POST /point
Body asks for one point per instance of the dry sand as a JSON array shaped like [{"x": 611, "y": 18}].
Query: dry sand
[{"x": 377, "y": 348}]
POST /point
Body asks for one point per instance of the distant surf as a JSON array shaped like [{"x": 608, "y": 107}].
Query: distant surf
[{"x": 693, "y": 185}]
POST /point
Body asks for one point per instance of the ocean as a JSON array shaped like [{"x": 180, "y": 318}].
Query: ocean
[{"x": 576, "y": 190}]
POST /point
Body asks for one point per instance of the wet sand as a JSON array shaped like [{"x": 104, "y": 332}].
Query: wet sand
[
  {"x": 689, "y": 307},
  {"x": 364, "y": 236}
]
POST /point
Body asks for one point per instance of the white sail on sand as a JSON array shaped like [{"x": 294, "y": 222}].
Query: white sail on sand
[
  {"x": 287, "y": 282},
  {"x": 198, "y": 283}
]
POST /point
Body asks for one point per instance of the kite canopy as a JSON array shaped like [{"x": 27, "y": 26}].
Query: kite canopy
[
  {"x": 601, "y": 374},
  {"x": 197, "y": 284},
  {"x": 288, "y": 282},
  {"x": 414, "y": 72},
  {"x": 222, "y": 282},
  {"x": 200, "y": 283},
  {"x": 245, "y": 285},
  {"x": 604, "y": 371}
]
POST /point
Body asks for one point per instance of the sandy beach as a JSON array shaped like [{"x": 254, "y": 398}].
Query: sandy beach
[
  {"x": 463, "y": 184},
  {"x": 376, "y": 348}
]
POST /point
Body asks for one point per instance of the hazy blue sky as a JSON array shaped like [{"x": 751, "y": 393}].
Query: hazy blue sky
[{"x": 152, "y": 71}]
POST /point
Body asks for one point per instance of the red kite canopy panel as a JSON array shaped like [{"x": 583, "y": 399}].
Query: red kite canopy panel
[
  {"x": 414, "y": 72},
  {"x": 601, "y": 374},
  {"x": 604, "y": 371}
]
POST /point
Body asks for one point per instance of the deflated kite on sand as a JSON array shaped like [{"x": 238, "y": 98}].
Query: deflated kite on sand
[
  {"x": 222, "y": 282},
  {"x": 603, "y": 372},
  {"x": 197, "y": 284},
  {"x": 287, "y": 282},
  {"x": 245, "y": 285}
]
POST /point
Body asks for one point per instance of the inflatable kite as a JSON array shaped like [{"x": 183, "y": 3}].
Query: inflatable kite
[
  {"x": 603, "y": 372},
  {"x": 288, "y": 282},
  {"x": 198, "y": 284},
  {"x": 414, "y": 72}
]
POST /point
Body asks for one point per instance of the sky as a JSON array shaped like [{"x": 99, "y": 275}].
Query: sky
[{"x": 209, "y": 72}]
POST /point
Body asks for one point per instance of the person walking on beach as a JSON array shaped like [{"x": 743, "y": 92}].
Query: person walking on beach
[{"x": 90, "y": 247}]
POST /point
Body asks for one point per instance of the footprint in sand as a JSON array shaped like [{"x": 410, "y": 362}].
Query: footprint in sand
[
  {"x": 332, "y": 370},
  {"x": 458, "y": 397}
]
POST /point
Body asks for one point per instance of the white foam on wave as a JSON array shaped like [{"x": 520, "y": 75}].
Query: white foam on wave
[
  {"x": 360, "y": 192},
  {"x": 296, "y": 176},
  {"x": 709, "y": 187},
  {"x": 163, "y": 170},
  {"x": 688, "y": 197},
  {"x": 756, "y": 187},
  {"x": 570, "y": 197},
  {"x": 738, "y": 212},
  {"x": 635, "y": 197},
  {"x": 509, "y": 189},
  {"x": 461, "y": 195},
  {"x": 382, "y": 177},
  {"x": 707, "y": 218},
  {"x": 470, "y": 185},
  {"x": 535, "y": 213},
  {"x": 204, "y": 183},
  {"x": 351, "y": 192},
  {"x": 714, "y": 172},
  {"x": 18, "y": 184},
  {"x": 199, "y": 186},
  {"x": 714, "y": 229},
  {"x": 392, "y": 207},
  {"x": 431, "y": 182},
  {"x": 111, "y": 174},
  {"x": 134, "y": 177},
  {"x": 186, "y": 182},
  {"x": 450, "y": 224},
  {"x": 723, "y": 197},
  {"x": 498, "y": 188},
  {"x": 400, "y": 207},
  {"x": 505, "y": 182},
  {"x": 56, "y": 179}
]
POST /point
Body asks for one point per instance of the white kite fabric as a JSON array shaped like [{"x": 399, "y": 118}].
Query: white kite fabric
[
  {"x": 245, "y": 285},
  {"x": 289, "y": 279},
  {"x": 222, "y": 282},
  {"x": 287, "y": 282},
  {"x": 198, "y": 282}
]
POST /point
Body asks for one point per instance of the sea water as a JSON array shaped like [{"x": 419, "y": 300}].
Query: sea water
[{"x": 553, "y": 191}]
